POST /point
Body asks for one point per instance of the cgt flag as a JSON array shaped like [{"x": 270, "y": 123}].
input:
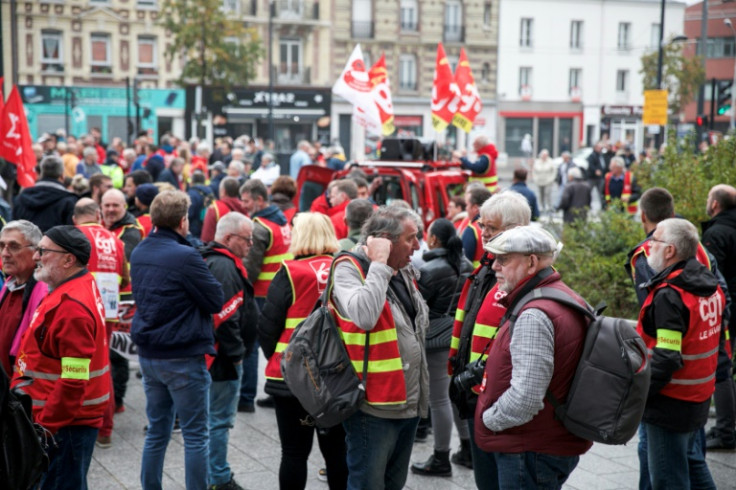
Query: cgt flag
[
  {"x": 445, "y": 92},
  {"x": 15, "y": 139},
  {"x": 354, "y": 85},
  {"x": 381, "y": 91},
  {"x": 470, "y": 104}
]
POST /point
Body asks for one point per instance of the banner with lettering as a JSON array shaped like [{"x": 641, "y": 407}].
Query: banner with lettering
[
  {"x": 121, "y": 341},
  {"x": 470, "y": 104},
  {"x": 445, "y": 92},
  {"x": 15, "y": 139}
]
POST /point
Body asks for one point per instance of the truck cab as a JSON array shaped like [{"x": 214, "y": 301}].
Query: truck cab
[{"x": 407, "y": 170}]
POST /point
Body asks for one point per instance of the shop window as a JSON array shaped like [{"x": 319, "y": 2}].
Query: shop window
[
  {"x": 564, "y": 134},
  {"x": 51, "y": 51},
  {"x": 516, "y": 128},
  {"x": 100, "y": 59}
]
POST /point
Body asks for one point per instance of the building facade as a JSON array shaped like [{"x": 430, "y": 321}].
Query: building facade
[
  {"x": 408, "y": 32},
  {"x": 569, "y": 70}
]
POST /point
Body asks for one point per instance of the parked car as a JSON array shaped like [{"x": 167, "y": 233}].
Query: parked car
[{"x": 407, "y": 172}]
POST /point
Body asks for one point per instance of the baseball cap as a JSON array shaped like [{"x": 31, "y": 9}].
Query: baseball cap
[{"x": 525, "y": 240}]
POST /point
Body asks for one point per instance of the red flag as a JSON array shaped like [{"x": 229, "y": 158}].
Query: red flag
[
  {"x": 16, "y": 140},
  {"x": 382, "y": 94},
  {"x": 445, "y": 92},
  {"x": 470, "y": 104}
]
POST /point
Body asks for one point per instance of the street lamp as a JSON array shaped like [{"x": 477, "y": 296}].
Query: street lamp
[{"x": 728, "y": 22}]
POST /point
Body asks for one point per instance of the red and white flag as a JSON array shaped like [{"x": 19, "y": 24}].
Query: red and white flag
[
  {"x": 470, "y": 104},
  {"x": 445, "y": 92},
  {"x": 354, "y": 85},
  {"x": 381, "y": 91},
  {"x": 15, "y": 139}
]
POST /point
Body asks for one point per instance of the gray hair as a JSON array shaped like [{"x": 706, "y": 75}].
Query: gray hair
[
  {"x": 202, "y": 148},
  {"x": 682, "y": 235},
  {"x": 388, "y": 222},
  {"x": 89, "y": 151},
  {"x": 231, "y": 224},
  {"x": 511, "y": 207},
  {"x": 30, "y": 232},
  {"x": 52, "y": 167},
  {"x": 574, "y": 173},
  {"x": 129, "y": 151},
  {"x": 617, "y": 161},
  {"x": 237, "y": 165},
  {"x": 267, "y": 157}
]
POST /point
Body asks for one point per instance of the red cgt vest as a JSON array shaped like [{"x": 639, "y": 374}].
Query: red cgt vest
[
  {"x": 277, "y": 251},
  {"x": 107, "y": 260},
  {"x": 489, "y": 178},
  {"x": 308, "y": 278},
  {"x": 695, "y": 381},
  {"x": 631, "y": 207},
  {"x": 479, "y": 250},
  {"x": 385, "y": 384}
]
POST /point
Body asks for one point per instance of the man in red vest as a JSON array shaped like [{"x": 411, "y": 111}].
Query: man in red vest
[
  {"x": 680, "y": 322},
  {"x": 513, "y": 420},
  {"x": 65, "y": 356},
  {"x": 475, "y": 196},
  {"x": 229, "y": 201},
  {"x": 108, "y": 265},
  {"x": 621, "y": 184},
  {"x": 271, "y": 240},
  {"x": 344, "y": 191},
  {"x": 484, "y": 169},
  {"x": 235, "y": 330},
  {"x": 376, "y": 295}
]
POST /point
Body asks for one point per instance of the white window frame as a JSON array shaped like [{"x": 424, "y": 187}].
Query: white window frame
[
  {"x": 154, "y": 51},
  {"x": 576, "y": 35},
  {"x": 526, "y": 34},
  {"x": 654, "y": 41},
  {"x": 624, "y": 36},
  {"x": 58, "y": 35},
  {"x": 108, "y": 50},
  {"x": 288, "y": 44},
  {"x": 525, "y": 77},
  {"x": 575, "y": 79},
  {"x": 409, "y": 15},
  {"x": 622, "y": 81},
  {"x": 408, "y": 72}
]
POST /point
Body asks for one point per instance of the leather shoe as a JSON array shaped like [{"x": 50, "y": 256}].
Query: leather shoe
[
  {"x": 438, "y": 464},
  {"x": 266, "y": 402},
  {"x": 246, "y": 407}
]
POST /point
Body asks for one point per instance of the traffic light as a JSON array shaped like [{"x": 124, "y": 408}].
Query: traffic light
[
  {"x": 701, "y": 120},
  {"x": 724, "y": 96}
]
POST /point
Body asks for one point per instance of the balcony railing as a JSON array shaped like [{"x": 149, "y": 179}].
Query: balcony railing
[
  {"x": 52, "y": 67},
  {"x": 362, "y": 30},
  {"x": 295, "y": 77},
  {"x": 296, "y": 10},
  {"x": 454, "y": 33},
  {"x": 409, "y": 26}
]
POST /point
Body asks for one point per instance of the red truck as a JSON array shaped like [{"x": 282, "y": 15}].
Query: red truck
[{"x": 425, "y": 183}]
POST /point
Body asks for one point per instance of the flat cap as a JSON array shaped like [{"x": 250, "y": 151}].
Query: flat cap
[
  {"x": 524, "y": 240},
  {"x": 71, "y": 239}
]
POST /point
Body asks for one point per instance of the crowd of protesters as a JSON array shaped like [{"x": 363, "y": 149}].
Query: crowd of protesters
[{"x": 206, "y": 246}]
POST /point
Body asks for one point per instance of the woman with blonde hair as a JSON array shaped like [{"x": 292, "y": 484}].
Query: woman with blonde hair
[{"x": 291, "y": 298}]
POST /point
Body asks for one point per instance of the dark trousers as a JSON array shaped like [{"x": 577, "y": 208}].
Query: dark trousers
[
  {"x": 120, "y": 373},
  {"x": 296, "y": 431},
  {"x": 69, "y": 459}
]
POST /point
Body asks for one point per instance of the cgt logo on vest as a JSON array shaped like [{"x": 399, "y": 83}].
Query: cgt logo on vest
[
  {"x": 322, "y": 274},
  {"x": 286, "y": 234},
  {"x": 711, "y": 309}
]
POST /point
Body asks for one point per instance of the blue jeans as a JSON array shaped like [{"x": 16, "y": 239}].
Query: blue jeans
[
  {"x": 644, "y": 481},
  {"x": 223, "y": 407},
  {"x": 378, "y": 451},
  {"x": 676, "y": 459},
  {"x": 69, "y": 460},
  {"x": 533, "y": 470},
  {"x": 484, "y": 463},
  {"x": 181, "y": 386},
  {"x": 249, "y": 380}
]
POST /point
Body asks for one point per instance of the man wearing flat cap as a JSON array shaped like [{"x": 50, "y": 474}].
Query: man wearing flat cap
[
  {"x": 63, "y": 360},
  {"x": 513, "y": 419}
]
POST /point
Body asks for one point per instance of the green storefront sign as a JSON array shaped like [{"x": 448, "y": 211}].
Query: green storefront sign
[{"x": 82, "y": 108}]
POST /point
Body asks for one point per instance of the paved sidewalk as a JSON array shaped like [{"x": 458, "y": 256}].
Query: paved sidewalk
[{"x": 254, "y": 454}]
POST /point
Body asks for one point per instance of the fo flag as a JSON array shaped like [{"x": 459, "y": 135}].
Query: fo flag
[
  {"x": 15, "y": 140},
  {"x": 381, "y": 91},
  {"x": 470, "y": 104},
  {"x": 354, "y": 85},
  {"x": 445, "y": 92}
]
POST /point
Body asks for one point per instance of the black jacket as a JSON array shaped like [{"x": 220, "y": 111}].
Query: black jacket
[
  {"x": 667, "y": 311},
  {"x": 438, "y": 282},
  {"x": 46, "y": 204},
  {"x": 131, "y": 236},
  {"x": 719, "y": 237},
  {"x": 594, "y": 164},
  {"x": 236, "y": 335}
]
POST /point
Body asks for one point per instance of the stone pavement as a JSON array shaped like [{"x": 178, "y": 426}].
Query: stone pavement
[{"x": 254, "y": 455}]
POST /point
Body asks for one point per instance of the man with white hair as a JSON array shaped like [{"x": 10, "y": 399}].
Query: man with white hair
[
  {"x": 129, "y": 156},
  {"x": 89, "y": 166},
  {"x": 621, "y": 184},
  {"x": 269, "y": 170},
  {"x": 680, "y": 322},
  {"x": 300, "y": 158},
  {"x": 484, "y": 169},
  {"x": 235, "y": 330},
  {"x": 512, "y": 420},
  {"x": 201, "y": 158}
]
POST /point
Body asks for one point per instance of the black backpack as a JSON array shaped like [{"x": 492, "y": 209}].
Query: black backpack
[
  {"x": 23, "y": 446},
  {"x": 611, "y": 383},
  {"x": 317, "y": 369}
]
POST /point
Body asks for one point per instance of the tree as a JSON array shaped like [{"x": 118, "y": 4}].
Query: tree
[
  {"x": 681, "y": 76},
  {"x": 217, "y": 49}
]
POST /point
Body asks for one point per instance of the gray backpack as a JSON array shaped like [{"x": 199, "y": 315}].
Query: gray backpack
[
  {"x": 317, "y": 368},
  {"x": 611, "y": 383}
]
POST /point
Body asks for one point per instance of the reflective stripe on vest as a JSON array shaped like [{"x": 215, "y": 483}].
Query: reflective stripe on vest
[
  {"x": 479, "y": 250},
  {"x": 385, "y": 383},
  {"x": 631, "y": 207},
  {"x": 277, "y": 252},
  {"x": 308, "y": 279},
  {"x": 489, "y": 178}
]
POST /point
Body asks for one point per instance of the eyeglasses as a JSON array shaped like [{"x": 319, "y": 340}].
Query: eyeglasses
[
  {"x": 13, "y": 247},
  {"x": 659, "y": 241},
  {"x": 246, "y": 239},
  {"x": 42, "y": 251}
]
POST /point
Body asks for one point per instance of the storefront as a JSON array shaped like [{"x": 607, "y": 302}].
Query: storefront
[
  {"x": 556, "y": 131},
  {"x": 622, "y": 123},
  {"x": 78, "y": 109}
]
